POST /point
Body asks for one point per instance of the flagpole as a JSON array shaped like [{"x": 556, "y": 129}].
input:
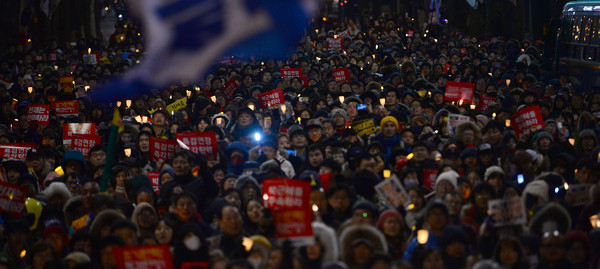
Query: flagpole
[{"x": 110, "y": 151}]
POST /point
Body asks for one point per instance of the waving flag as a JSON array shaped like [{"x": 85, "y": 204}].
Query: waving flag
[{"x": 187, "y": 37}]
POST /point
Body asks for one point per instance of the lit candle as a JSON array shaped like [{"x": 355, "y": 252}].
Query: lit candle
[
  {"x": 572, "y": 141},
  {"x": 387, "y": 173},
  {"x": 86, "y": 88},
  {"x": 127, "y": 152},
  {"x": 118, "y": 103},
  {"x": 508, "y": 82},
  {"x": 128, "y": 103},
  {"x": 30, "y": 90},
  {"x": 188, "y": 93},
  {"x": 251, "y": 106},
  {"x": 219, "y": 120},
  {"x": 422, "y": 236},
  {"x": 213, "y": 98},
  {"x": 493, "y": 116},
  {"x": 473, "y": 107},
  {"x": 247, "y": 243},
  {"x": 382, "y": 101},
  {"x": 507, "y": 123},
  {"x": 315, "y": 208},
  {"x": 341, "y": 99},
  {"x": 283, "y": 108},
  {"x": 460, "y": 102}
]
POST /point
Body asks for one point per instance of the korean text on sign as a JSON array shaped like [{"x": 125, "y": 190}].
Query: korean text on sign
[
  {"x": 12, "y": 198},
  {"x": 143, "y": 257},
  {"x": 286, "y": 194},
  {"x": 162, "y": 149},
  {"x": 271, "y": 98},
  {"x": 84, "y": 143},
  {"x": 38, "y": 113},
  {"x": 15, "y": 151},
  {"x": 341, "y": 74},
  {"x": 527, "y": 120},
  {"x": 200, "y": 142}
]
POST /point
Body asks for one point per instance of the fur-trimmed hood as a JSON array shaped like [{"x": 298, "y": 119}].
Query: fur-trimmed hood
[
  {"x": 551, "y": 216},
  {"x": 326, "y": 236},
  {"x": 460, "y": 129},
  {"x": 105, "y": 218},
  {"x": 362, "y": 231}
]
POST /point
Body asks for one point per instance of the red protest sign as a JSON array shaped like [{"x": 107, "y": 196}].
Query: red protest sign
[
  {"x": 70, "y": 129},
  {"x": 294, "y": 225},
  {"x": 334, "y": 44},
  {"x": 341, "y": 74},
  {"x": 527, "y": 120},
  {"x": 286, "y": 194},
  {"x": 194, "y": 265},
  {"x": 38, "y": 113},
  {"x": 83, "y": 143},
  {"x": 15, "y": 151},
  {"x": 162, "y": 149},
  {"x": 12, "y": 198},
  {"x": 344, "y": 34},
  {"x": 291, "y": 72},
  {"x": 66, "y": 82},
  {"x": 229, "y": 88},
  {"x": 66, "y": 108},
  {"x": 154, "y": 178},
  {"x": 457, "y": 91},
  {"x": 271, "y": 98},
  {"x": 429, "y": 177},
  {"x": 466, "y": 92},
  {"x": 485, "y": 101},
  {"x": 200, "y": 142},
  {"x": 143, "y": 257},
  {"x": 410, "y": 33}
]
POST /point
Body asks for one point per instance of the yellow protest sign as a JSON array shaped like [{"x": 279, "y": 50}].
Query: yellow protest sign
[
  {"x": 364, "y": 127},
  {"x": 177, "y": 105}
]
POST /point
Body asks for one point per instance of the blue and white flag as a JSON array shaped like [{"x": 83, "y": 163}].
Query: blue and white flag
[{"x": 185, "y": 38}]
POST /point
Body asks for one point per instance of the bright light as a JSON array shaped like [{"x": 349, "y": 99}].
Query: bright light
[
  {"x": 128, "y": 103},
  {"x": 257, "y": 136},
  {"x": 213, "y": 98},
  {"x": 265, "y": 197},
  {"x": 341, "y": 99},
  {"x": 315, "y": 208},
  {"x": 127, "y": 152},
  {"x": 409, "y": 156},
  {"x": 382, "y": 101},
  {"x": 422, "y": 236},
  {"x": 387, "y": 173},
  {"x": 507, "y": 123},
  {"x": 247, "y": 243},
  {"x": 251, "y": 107}
]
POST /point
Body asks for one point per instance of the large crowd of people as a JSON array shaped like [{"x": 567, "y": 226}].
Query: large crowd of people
[{"x": 451, "y": 157}]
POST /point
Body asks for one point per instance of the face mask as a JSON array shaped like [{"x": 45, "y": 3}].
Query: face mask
[
  {"x": 410, "y": 182},
  {"x": 255, "y": 262},
  {"x": 236, "y": 160},
  {"x": 192, "y": 243}
]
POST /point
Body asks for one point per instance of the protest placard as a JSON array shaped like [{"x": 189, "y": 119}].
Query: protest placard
[
  {"x": 66, "y": 108},
  {"x": 334, "y": 44},
  {"x": 177, "y": 105},
  {"x": 162, "y": 149},
  {"x": 578, "y": 194},
  {"x": 279, "y": 194},
  {"x": 429, "y": 177},
  {"x": 507, "y": 211},
  {"x": 294, "y": 225},
  {"x": 15, "y": 151},
  {"x": 485, "y": 102},
  {"x": 70, "y": 129},
  {"x": 456, "y": 119},
  {"x": 38, "y": 113},
  {"x": 341, "y": 74},
  {"x": 392, "y": 192},
  {"x": 527, "y": 119},
  {"x": 272, "y": 98},
  {"x": 143, "y": 257},
  {"x": 200, "y": 142},
  {"x": 66, "y": 83},
  {"x": 291, "y": 72},
  {"x": 12, "y": 198},
  {"x": 230, "y": 88},
  {"x": 83, "y": 143},
  {"x": 364, "y": 127},
  {"x": 154, "y": 179}
]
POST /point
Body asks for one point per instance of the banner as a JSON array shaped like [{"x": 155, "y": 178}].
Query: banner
[
  {"x": 66, "y": 83},
  {"x": 15, "y": 151},
  {"x": 334, "y": 44},
  {"x": 154, "y": 178},
  {"x": 83, "y": 143},
  {"x": 200, "y": 142},
  {"x": 364, "y": 127},
  {"x": 459, "y": 91},
  {"x": 66, "y": 108},
  {"x": 39, "y": 114},
  {"x": 341, "y": 74},
  {"x": 177, "y": 105},
  {"x": 195, "y": 265},
  {"x": 578, "y": 194},
  {"x": 271, "y": 98},
  {"x": 143, "y": 257},
  {"x": 162, "y": 149},
  {"x": 429, "y": 177},
  {"x": 70, "y": 129},
  {"x": 392, "y": 192},
  {"x": 485, "y": 102},
  {"x": 229, "y": 89},
  {"x": 294, "y": 225},
  {"x": 12, "y": 198},
  {"x": 527, "y": 120},
  {"x": 291, "y": 72},
  {"x": 456, "y": 119},
  {"x": 283, "y": 194},
  {"x": 507, "y": 212}
]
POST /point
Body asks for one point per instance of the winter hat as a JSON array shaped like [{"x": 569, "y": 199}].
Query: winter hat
[
  {"x": 339, "y": 111},
  {"x": 387, "y": 119},
  {"x": 492, "y": 169},
  {"x": 537, "y": 188},
  {"x": 450, "y": 176},
  {"x": 390, "y": 213},
  {"x": 544, "y": 134}
]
